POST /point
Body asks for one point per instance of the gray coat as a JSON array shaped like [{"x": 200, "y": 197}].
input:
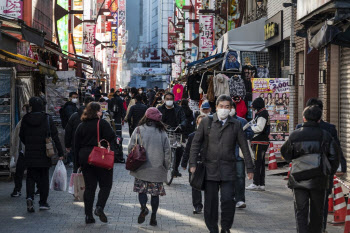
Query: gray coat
[
  {"x": 219, "y": 157},
  {"x": 158, "y": 152}
]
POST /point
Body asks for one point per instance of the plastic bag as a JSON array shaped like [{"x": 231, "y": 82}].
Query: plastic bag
[
  {"x": 59, "y": 178},
  {"x": 12, "y": 162},
  {"x": 71, "y": 183},
  {"x": 79, "y": 186}
]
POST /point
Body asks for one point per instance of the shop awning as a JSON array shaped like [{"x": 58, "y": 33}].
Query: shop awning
[
  {"x": 249, "y": 37},
  {"x": 208, "y": 64},
  {"x": 189, "y": 65},
  {"x": 8, "y": 42}
]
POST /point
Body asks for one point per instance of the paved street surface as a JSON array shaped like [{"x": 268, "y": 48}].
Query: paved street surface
[{"x": 269, "y": 211}]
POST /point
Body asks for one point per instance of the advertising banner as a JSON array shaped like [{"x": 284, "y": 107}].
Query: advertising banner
[
  {"x": 171, "y": 31},
  {"x": 89, "y": 39},
  {"x": 149, "y": 71},
  {"x": 206, "y": 23},
  {"x": 62, "y": 26},
  {"x": 122, "y": 20},
  {"x": 13, "y": 8},
  {"x": 114, "y": 34},
  {"x": 114, "y": 69},
  {"x": 78, "y": 30},
  {"x": 275, "y": 93}
]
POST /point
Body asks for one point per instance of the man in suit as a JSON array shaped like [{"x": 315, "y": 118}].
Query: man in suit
[{"x": 219, "y": 135}]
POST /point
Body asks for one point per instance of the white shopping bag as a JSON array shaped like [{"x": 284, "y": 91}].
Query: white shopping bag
[{"x": 59, "y": 177}]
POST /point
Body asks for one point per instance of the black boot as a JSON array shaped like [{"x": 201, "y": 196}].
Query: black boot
[
  {"x": 89, "y": 219},
  {"x": 153, "y": 221},
  {"x": 99, "y": 212},
  {"x": 143, "y": 214}
]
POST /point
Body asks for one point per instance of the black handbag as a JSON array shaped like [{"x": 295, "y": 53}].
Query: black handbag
[
  {"x": 197, "y": 180},
  {"x": 310, "y": 166}
]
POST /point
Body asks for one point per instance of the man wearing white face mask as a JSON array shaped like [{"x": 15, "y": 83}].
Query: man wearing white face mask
[
  {"x": 173, "y": 116},
  {"x": 69, "y": 108},
  {"x": 219, "y": 134}
]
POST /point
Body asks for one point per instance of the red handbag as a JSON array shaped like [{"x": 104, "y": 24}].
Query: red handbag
[
  {"x": 137, "y": 155},
  {"x": 100, "y": 156}
]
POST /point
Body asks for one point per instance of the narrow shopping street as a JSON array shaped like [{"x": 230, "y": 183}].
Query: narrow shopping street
[{"x": 266, "y": 212}]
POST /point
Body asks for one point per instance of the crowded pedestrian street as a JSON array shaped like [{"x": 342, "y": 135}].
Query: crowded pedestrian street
[{"x": 267, "y": 212}]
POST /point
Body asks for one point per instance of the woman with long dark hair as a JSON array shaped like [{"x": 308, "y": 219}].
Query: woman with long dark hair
[
  {"x": 85, "y": 141},
  {"x": 150, "y": 176}
]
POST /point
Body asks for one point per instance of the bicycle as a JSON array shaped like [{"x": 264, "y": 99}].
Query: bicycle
[{"x": 175, "y": 140}]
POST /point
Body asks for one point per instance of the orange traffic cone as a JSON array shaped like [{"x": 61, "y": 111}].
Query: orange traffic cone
[
  {"x": 339, "y": 204},
  {"x": 272, "y": 158},
  {"x": 289, "y": 170},
  {"x": 331, "y": 203},
  {"x": 347, "y": 218}
]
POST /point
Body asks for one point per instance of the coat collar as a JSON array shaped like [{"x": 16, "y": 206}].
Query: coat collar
[
  {"x": 229, "y": 119},
  {"x": 311, "y": 124}
]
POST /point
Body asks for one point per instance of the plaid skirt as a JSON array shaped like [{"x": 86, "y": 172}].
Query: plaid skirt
[{"x": 152, "y": 188}]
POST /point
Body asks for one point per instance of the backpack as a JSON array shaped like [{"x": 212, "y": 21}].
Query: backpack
[{"x": 115, "y": 107}]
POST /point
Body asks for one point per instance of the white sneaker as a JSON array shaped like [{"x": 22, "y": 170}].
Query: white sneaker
[
  {"x": 241, "y": 205},
  {"x": 71, "y": 164},
  {"x": 252, "y": 187},
  {"x": 262, "y": 188}
]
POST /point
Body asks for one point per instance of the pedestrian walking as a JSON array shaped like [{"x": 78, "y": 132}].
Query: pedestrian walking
[
  {"x": 240, "y": 165},
  {"x": 261, "y": 128},
  {"x": 150, "y": 97},
  {"x": 196, "y": 194},
  {"x": 173, "y": 116},
  {"x": 111, "y": 94},
  {"x": 309, "y": 145},
  {"x": 69, "y": 108},
  {"x": 136, "y": 113},
  {"x": 72, "y": 125},
  {"x": 85, "y": 141},
  {"x": 218, "y": 136},
  {"x": 330, "y": 128},
  {"x": 116, "y": 108},
  {"x": 36, "y": 127},
  {"x": 150, "y": 176},
  {"x": 189, "y": 128}
]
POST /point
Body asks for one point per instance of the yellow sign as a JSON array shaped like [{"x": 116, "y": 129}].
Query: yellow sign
[{"x": 271, "y": 30}]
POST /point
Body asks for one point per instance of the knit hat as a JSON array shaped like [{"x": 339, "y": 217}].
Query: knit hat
[
  {"x": 37, "y": 104},
  {"x": 258, "y": 103},
  {"x": 153, "y": 114}
]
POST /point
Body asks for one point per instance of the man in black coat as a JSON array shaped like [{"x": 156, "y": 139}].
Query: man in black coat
[
  {"x": 136, "y": 113},
  {"x": 311, "y": 143},
  {"x": 150, "y": 96},
  {"x": 219, "y": 135},
  {"x": 173, "y": 116},
  {"x": 35, "y": 128},
  {"x": 330, "y": 128},
  {"x": 116, "y": 107},
  {"x": 71, "y": 127},
  {"x": 69, "y": 108}
]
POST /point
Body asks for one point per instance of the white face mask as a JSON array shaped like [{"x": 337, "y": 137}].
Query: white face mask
[
  {"x": 204, "y": 114},
  {"x": 223, "y": 113},
  {"x": 233, "y": 112},
  {"x": 169, "y": 103},
  {"x": 130, "y": 94},
  {"x": 140, "y": 92},
  {"x": 74, "y": 100}
]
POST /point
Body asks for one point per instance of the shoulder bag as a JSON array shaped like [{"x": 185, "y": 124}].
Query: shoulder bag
[
  {"x": 137, "y": 156},
  {"x": 49, "y": 143},
  {"x": 197, "y": 180},
  {"x": 100, "y": 156},
  {"x": 310, "y": 166}
]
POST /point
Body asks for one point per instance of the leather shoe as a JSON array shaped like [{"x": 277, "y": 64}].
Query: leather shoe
[
  {"x": 99, "y": 212},
  {"x": 143, "y": 214},
  {"x": 89, "y": 219},
  {"x": 197, "y": 210},
  {"x": 153, "y": 221},
  {"x": 225, "y": 231}
]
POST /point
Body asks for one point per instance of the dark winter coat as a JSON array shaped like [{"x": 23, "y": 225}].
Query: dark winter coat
[
  {"x": 186, "y": 154},
  {"x": 71, "y": 127},
  {"x": 189, "y": 122},
  {"x": 150, "y": 95},
  {"x": 330, "y": 128},
  {"x": 118, "y": 111},
  {"x": 219, "y": 155},
  {"x": 180, "y": 114},
  {"x": 136, "y": 113},
  {"x": 86, "y": 138},
  {"x": 33, "y": 133},
  {"x": 306, "y": 141},
  {"x": 68, "y": 109}
]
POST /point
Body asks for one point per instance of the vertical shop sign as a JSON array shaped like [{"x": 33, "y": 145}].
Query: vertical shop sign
[
  {"x": 62, "y": 26},
  {"x": 114, "y": 69},
  {"x": 180, "y": 3},
  {"x": 171, "y": 32},
  {"x": 233, "y": 14},
  {"x": 122, "y": 20},
  {"x": 206, "y": 23},
  {"x": 114, "y": 34},
  {"x": 89, "y": 39},
  {"x": 78, "y": 30},
  {"x": 197, "y": 7}
]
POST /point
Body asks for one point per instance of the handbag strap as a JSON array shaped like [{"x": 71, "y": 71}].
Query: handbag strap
[
  {"x": 139, "y": 133},
  {"x": 98, "y": 133}
]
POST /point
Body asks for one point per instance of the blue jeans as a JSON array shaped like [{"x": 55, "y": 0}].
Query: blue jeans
[{"x": 240, "y": 181}]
